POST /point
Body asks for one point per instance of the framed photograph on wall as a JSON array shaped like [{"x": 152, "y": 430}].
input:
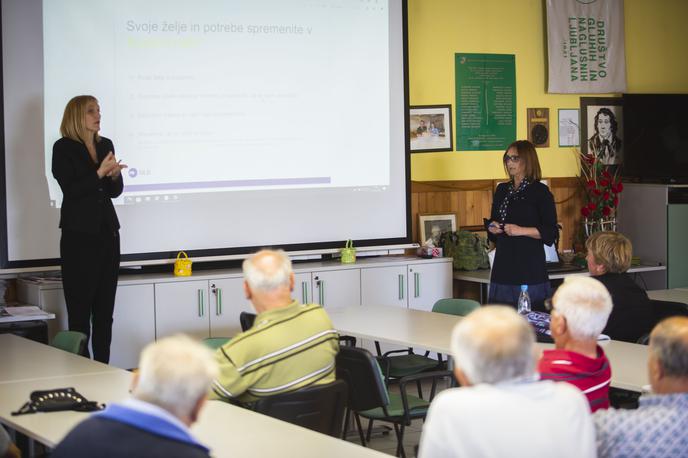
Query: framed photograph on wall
[
  {"x": 432, "y": 226},
  {"x": 430, "y": 128},
  {"x": 569, "y": 127},
  {"x": 602, "y": 128}
]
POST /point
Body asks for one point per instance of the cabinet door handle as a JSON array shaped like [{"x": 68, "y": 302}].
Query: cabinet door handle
[
  {"x": 401, "y": 286},
  {"x": 416, "y": 284},
  {"x": 321, "y": 292},
  {"x": 304, "y": 292},
  {"x": 201, "y": 310},
  {"x": 218, "y": 303}
]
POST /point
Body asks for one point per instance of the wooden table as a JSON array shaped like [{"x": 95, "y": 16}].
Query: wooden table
[{"x": 432, "y": 331}]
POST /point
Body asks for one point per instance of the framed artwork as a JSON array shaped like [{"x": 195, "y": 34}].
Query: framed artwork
[
  {"x": 430, "y": 128},
  {"x": 602, "y": 128},
  {"x": 569, "y": 127},
  {"x": 432, "y": 226}
]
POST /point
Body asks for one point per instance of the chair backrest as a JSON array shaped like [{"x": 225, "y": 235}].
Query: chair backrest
[
  {"x": 661, "y": 310},
  {"x": 320, "y": 407},
  {"x": 359, "y": 368},
  {"x": 347, "y": 341},
  {"x": 665, "y": 309},
  {"x": 246, "y": 320},
  {"x": 71, "y": 341},
  {"x": 460, "y": 307}
]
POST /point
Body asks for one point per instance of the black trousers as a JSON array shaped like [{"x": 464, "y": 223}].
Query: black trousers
[{"x": 90, "y": 264}]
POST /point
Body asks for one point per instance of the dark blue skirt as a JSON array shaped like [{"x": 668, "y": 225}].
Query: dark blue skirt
[{"x": 508, "y": 294}]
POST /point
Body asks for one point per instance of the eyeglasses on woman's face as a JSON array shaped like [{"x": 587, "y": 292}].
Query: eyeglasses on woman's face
[{"x": 512, "y": 157}]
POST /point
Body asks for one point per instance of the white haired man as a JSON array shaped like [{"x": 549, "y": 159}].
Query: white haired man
[
  {"x": 658, "y": 427},
  {"x": 580, "y": 309},
  {"x": 502, "y": 409},
  {"x": 169, "y": 391},
  {"x": 290, "y": 345}
]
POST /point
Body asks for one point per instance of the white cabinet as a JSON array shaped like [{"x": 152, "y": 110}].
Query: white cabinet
[
  {"x": 303, "y": 288},
  {"x": 384, "y": 286},
  {"x": 414, "y": 285},
  {"x": 427, "y": 283},
  {"x": 228, "y": 300},
  {"x": 337, "y": 288},
  {"x": 151, "y": 306},
  {"x": 201, "y": 308},
  {"x": 134, "y": 324},
  {"x": 53, "y": 301},
  {"x": 182, "y": 307}
]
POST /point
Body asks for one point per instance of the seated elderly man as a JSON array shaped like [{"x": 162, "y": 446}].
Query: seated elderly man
[
  {"x": 659, "y": 427},
  {"x": 290, "y": 345},
  {"x": 502, "y": 409},
  {"x": 580, "y": 309},
  {"x": 169, "y": 390}
]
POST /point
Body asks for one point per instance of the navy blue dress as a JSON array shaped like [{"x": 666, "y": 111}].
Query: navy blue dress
[{"x": 521, "y": 260}]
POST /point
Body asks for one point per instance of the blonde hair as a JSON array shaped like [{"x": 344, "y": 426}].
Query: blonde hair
[
  {"x": 610, "y": 249},
  {"x": 527, "y": 154},
  {"x": 586, "y": 305},
  {"x": 73, "y": 124}
]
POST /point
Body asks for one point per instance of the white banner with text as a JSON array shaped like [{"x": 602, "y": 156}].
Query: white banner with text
[{"x": 586, "y": 46}]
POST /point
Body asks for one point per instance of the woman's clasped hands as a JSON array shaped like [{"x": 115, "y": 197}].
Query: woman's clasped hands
[{"x": 110, "y": 166}]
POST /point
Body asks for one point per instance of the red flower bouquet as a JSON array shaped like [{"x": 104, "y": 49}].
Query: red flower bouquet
[{"x": 601, "y": 185}]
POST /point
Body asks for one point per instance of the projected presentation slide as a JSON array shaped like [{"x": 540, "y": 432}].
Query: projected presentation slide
[{"x": 216, "y": 96}]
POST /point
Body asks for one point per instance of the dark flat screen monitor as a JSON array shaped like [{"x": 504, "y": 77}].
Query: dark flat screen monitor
[{"x": 656, "y": 138}]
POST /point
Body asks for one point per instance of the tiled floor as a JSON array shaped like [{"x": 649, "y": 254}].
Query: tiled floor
[{"x": 387, "y": 443}]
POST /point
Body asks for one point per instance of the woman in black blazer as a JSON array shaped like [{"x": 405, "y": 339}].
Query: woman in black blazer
[{"x": 89, "y": 175}]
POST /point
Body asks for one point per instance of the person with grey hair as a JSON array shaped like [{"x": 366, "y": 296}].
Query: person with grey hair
[
  {"x": 290, "y": 345},
  {"x": 501, "y": 408},
  {"x": 169, "y": 390},
  {"x": 580, "y": 309},
  {"x": 657, "y": 428}
]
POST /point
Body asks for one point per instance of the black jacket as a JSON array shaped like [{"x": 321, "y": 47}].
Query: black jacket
[
  {"x": 632, "y": 315},
  {"x": 521, "y": 260},
  {"x": 86, "y": 205}
]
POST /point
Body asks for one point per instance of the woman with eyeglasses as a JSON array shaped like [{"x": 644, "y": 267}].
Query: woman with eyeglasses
[{"x": 523, "y": 218}]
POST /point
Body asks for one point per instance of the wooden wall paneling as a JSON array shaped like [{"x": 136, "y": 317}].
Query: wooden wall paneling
[
  {"x": 471, "y": 201},
  {"x": 414, "y": 215}
]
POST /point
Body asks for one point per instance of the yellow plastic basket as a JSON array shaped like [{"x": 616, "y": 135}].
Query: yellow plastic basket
[
  {"x": 348, "y": 253},
  {"x": 182, "y": 266}
]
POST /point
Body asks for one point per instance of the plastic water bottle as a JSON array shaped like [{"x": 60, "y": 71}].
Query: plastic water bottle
[{"x": 524, "y": 301}]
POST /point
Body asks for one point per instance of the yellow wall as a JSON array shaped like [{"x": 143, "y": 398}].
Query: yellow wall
[{"x": 656, "y": 61}]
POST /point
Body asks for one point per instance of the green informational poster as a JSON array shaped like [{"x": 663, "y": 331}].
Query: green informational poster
[{"x": 485, "y": 101}]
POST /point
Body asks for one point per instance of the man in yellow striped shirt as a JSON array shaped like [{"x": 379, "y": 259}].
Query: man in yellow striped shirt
[{"x": 290, "y": 345}]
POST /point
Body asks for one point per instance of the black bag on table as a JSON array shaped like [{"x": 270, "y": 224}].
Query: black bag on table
[{"x": 57, "y": 400}]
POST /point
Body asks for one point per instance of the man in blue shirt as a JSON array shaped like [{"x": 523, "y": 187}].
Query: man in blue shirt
[
  {"x": 658, "y": 428},
  {"x": 169, "y": 391}
]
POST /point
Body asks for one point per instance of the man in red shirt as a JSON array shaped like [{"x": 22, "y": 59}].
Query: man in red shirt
[{"x": 580, "y": 309}]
